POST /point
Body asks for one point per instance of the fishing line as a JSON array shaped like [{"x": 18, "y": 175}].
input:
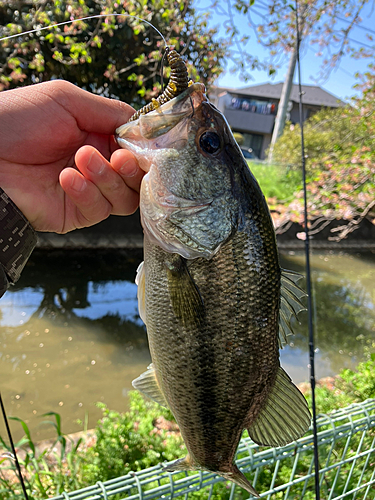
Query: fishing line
[
  {"x": 308, "y": 270},
  {"x": 84, "y": 19},
  {"x": 98, "y": 16},
  {"x": 13, "y": 448}
]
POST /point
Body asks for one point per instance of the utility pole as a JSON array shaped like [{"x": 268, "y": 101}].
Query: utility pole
[{"x": 283, "y": 104}]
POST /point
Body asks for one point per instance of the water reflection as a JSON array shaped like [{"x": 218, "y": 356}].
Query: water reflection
[
  {"x": 344, "y": 314},
  {"x": 71, "y": 336}
]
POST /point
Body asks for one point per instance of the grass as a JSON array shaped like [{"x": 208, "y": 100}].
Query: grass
[{"x": 276, "y": 181}]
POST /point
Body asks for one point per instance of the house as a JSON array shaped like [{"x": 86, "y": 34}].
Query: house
[{"x": 251, "y": 111}]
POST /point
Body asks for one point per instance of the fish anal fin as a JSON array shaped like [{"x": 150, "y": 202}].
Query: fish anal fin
[
  {"x": 285, "y": 416},
  {"x": 185, "y": 298},
  {"x": 148, "y": 385}
]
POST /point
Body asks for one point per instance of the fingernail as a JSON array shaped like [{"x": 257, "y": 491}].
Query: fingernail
[
  {"x": 129, "y": 168},
  {"x": 78, "y": 183},
  {"x": 95, "y": 164}
]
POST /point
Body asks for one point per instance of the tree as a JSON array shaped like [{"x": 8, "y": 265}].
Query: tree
[
  {"x": 322, "y": 23},
  {"x": 340, "y": 149},
  {"x": 114, "y": 56}
]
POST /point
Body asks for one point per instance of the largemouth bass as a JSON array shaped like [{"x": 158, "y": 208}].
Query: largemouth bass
[{"x": 211, "y": 291}]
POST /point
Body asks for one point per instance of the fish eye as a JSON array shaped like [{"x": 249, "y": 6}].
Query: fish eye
[{"x": 210, "y": 142}]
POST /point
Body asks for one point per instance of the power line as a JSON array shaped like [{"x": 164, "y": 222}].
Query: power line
[{"x": 356, "y": 25}]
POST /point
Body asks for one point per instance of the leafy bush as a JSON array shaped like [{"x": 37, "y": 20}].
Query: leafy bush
[
  {"x": 340, "y": 151},
  {"x": 142, "y": 437},
  {"x": 278, "y": 182},
  {"x": 350, "y": 386}
]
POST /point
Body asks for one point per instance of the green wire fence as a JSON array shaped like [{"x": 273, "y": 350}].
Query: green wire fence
[{"x": 346, "y": 441}]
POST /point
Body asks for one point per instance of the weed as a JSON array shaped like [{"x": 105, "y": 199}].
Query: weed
[{"x": 46, "y": 472}]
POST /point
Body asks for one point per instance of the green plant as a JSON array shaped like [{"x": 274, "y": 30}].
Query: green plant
[
  {"x": 115, "y": 56},
  {"x": 278, "y": 182},
  {"x": 142, "y": 437},
  {"x": 340, "y": 162},
  {"x": 46, "y": 472},
  {"x": 350, "y": 386},
  {"x": 147, "y": 434}
]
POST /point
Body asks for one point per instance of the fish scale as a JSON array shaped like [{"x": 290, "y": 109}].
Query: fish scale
[
  {"x": 210, "y": 288},
  {"x": 229, "y": 320}
]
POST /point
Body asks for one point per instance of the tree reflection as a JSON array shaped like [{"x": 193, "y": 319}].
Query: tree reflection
[
  {"x": 58, "y": 303},
  {"x": 343, "y": 319}
]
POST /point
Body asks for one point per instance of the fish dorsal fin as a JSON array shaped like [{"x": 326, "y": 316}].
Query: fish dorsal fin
[
  {"x": 140, "y": 280},
  {"x": 284, "y": 418},
  {"x": 186, "y": 300},
  {"x": 148, "y": 385},
  {"x": 290, "y": 303}
]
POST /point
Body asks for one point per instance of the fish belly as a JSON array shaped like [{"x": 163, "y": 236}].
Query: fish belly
[{"x": 217, "y": 370}]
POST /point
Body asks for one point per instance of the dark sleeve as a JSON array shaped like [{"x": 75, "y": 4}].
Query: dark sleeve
[{"x": 17, "y": 241}]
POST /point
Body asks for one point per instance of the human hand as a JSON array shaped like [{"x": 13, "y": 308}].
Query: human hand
[{"x": 55, "y": 143}]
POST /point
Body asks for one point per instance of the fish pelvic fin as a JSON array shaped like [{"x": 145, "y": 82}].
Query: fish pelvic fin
[
  {"x": 185, "y": 463},
  {"x": 285, "y": 416},
  {"x": 237, "y": 477},
  {"x": 232, "y": 474}
]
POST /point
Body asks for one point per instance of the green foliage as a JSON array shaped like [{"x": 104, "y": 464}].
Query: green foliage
[
  {"x": 46, "y": 472},
  {"x": 350, "y": 386},
  {"x": 340, "y": 160},
  {"x": 113, "y": 56},
  {"x": 278, "y": 182},
  {"x": 142, "y": 437},
  {"x": 329, "y": 135}
]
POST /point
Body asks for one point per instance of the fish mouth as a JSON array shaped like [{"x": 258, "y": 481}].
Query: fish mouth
[{"x": 163, "y": 128}]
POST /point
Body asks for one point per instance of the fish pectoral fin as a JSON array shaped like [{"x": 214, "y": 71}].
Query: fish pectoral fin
[
  {"x": 285, "y": 417},
  {"x": 140, "y": 281},
  {"x": 290, "y": 303},
  {"x": 148, "y": 385},
  {"x": 185, "y": 298}
]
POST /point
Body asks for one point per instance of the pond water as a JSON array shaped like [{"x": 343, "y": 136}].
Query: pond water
[{"x": 70, "y": 334}]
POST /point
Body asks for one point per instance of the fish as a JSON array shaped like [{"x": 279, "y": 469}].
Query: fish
[{"x": 211, "y": 292}]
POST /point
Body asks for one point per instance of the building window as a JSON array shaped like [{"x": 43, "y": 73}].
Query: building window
[
  {"x": 253, "y": 105},
  {"x": 251, "y": 141}
]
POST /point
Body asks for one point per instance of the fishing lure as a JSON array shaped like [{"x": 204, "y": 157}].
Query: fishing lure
[{"x": 178, "y": 82}]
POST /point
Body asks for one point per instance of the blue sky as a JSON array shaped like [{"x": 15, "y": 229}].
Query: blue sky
[{"x": 339, "y": 82}]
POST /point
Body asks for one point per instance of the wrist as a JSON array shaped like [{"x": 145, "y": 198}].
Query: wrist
[{"x": 17, "y": 241}]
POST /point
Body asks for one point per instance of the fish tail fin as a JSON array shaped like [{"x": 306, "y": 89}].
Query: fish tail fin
[
  {"x": 237, "y": 477},
  {"x": 232, "y": 474}
]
